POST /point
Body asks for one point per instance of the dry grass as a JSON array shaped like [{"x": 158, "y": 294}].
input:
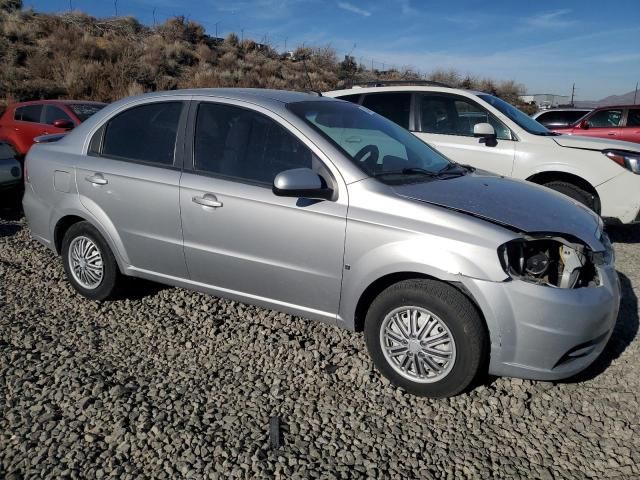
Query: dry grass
[{"x": 78, "y": 56}]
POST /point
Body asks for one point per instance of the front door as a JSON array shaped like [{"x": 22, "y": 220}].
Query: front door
[
  {"x": 130, "y": 180},
  {"x": 446, "y": 122},
  {"x": 602, "y": 124},
  {"x": 242, "y": 239}
]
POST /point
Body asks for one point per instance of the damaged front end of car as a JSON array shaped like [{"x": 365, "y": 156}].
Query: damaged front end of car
[{"x": 554, "y": 261}]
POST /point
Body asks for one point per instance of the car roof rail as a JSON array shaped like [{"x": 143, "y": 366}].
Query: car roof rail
[{"x": 395, "y": 83}]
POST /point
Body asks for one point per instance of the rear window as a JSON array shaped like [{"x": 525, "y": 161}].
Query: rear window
[
  {"x": 559, "y": 118},
  {"x": 146, "y": 133},
  {"x": 85, "y": 110},
  {"x": 29, "y": 113}
]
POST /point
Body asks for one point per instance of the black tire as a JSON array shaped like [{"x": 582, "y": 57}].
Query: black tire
[
  {"x": 107, "y": 287},
  {"x": 575, "y": 192},
  {"x": 454, "y": 310}
]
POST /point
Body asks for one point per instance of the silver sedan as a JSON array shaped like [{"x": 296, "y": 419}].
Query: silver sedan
[{"x": 324, "y": 209}]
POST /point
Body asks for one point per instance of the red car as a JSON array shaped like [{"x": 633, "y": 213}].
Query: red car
[
  {"x": 619, "y": 123},
  {"x": 22, "y": 122}
]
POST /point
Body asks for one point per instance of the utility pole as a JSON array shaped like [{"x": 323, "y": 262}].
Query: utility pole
[
  {"x": 70, "y": 6},
  {"x": 154, "y": 16},
  {"x": 241, "y": 36},
  {"x": 635, "y": 94},
  {"x": 573, "y": 93},
  {"x": 216, "y": 24},
  {"x": 115, "y": 5}
]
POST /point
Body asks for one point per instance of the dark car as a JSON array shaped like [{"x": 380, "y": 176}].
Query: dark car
[
  {"x": 617, "y": 123},
  {"x": 559, "y": 117},
  {"x": 22, "y": 122}
]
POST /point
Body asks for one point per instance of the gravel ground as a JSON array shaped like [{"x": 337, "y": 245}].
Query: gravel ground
[{"x": 167, "y": 384}]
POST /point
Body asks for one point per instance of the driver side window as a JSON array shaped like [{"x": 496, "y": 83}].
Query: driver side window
[
  {"x": 449, "y": 115},
  {"x": 606, "y": 119},
  {"x": 236, "y": 142}
]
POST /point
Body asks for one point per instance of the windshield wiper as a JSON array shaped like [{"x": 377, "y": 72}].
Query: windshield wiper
[{"x": 407, "y": 171}]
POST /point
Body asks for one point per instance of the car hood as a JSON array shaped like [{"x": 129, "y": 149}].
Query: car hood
[
  {"x": 516, "y": 204},
  {"x": 591, "y": 143}
]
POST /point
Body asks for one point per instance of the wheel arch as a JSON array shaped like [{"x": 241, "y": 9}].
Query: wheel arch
[
  {"x": 542, "y": 178},
  {"x": 380, "y": 284},
  {"x": 65, "y": 222}
]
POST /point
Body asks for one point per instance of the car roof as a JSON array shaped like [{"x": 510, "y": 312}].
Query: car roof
[
  {"x": 403, "y": 88},
  {"x": 54, "y": 102},
  {"x": 260, "y": 95},
  {"x": 617, "y": 106}
]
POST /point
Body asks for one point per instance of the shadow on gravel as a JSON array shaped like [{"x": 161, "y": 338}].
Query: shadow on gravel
[
  {"x": 623, "y": 334},
  {"x": 10, "y": 206},
  {"x": 624, "y": 233},
  {"x": 138, "y": 288}
]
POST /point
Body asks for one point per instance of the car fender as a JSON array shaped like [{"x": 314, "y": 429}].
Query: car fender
[
  {"x": 87, "y": 209},
  {"x": 408, "y": 258}
]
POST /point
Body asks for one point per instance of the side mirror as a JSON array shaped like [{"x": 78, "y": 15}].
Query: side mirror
[
  {"x": 486, "y": 133},
  {"x": 584, "y": 125},
  {"x": 64, "y": 124},
  {"x": 301, "y": 182}
]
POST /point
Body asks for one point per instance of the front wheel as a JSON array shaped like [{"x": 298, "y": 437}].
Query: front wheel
[
  {"x": 426, "y": 337},
  {"x": 574, "y": 192}
]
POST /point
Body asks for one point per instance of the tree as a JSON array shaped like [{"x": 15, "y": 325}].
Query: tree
[{"x": 347, "y": 68}]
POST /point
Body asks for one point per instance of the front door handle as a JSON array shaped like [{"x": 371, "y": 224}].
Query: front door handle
[
  {"x": 97, "y": 179},
  {"x": 207, "y": 200}
]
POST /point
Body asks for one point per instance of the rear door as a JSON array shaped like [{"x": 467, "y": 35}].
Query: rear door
[
  {"x": 631, "y": 130},
  {"x": 242, "y": 239},
  {"x": 130, "y": 182},
  {"x": 446, "y": 121}
]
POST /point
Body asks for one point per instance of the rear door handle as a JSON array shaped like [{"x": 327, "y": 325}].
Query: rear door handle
[
  {"x": 207, "y": 200},
  {"x": 97, "y": 179}
]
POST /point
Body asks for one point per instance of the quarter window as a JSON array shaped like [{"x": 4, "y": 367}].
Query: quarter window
[
  {"x": 29, "y": 113},
  {"x": 146, "y": 133},
  {"x": 606, "y": 119},
  {"x": 52, "y": 113},
  {"x": 448, "y": 115},
  {"x": 395, "y": 106},
  {"x": 239, "y": 143}
]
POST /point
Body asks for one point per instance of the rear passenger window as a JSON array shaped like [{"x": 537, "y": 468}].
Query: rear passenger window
[
  {"x": 146, "y": 133},
  {"x": 395, "y": 106},
  {"x": 30, "y": 113},
  {"x": 351, "y": 98},
  {"x": 243, "y": 144},
  {"x": 634, "y": 118}
]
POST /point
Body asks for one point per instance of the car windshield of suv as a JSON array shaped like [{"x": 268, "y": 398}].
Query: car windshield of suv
[
  {"x": 522, "y": 119},
  {"x": 376, "y": 145},
  {"x": 85, "y": 110}
]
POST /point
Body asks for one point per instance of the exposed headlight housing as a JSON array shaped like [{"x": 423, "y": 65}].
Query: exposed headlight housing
[
  {"x": 550, "y": 261},
  {"x": 628, "y": 160}
]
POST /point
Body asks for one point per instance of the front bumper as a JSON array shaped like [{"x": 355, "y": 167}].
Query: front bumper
[
  {"x": 620, "y": 198},
  {"x": 546, "y": 333}
]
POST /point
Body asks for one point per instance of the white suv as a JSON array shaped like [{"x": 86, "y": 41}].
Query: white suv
[{"x": 483, "y": 131}]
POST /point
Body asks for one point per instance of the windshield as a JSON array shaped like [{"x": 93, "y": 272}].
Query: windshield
[
  {"x": 85, "y": 110},
  {"x": 522, "y": 119},
  {"x": 376, "y": 145}
]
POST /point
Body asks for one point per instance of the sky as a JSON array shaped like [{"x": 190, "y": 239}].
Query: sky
[{"x": 545, "y": 45}]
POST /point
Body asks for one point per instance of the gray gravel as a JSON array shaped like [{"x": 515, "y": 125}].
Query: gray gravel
[{"x": 168, "y": 383}]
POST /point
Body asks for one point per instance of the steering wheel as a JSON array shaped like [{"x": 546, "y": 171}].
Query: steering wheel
[{"x": 371, "y": 161}]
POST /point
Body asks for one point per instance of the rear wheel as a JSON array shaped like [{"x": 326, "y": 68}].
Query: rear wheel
[
  {"x": 89, "y": 263},
  {"x": 575, "y": 192},
  {"x": 426, "y": 337}
]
